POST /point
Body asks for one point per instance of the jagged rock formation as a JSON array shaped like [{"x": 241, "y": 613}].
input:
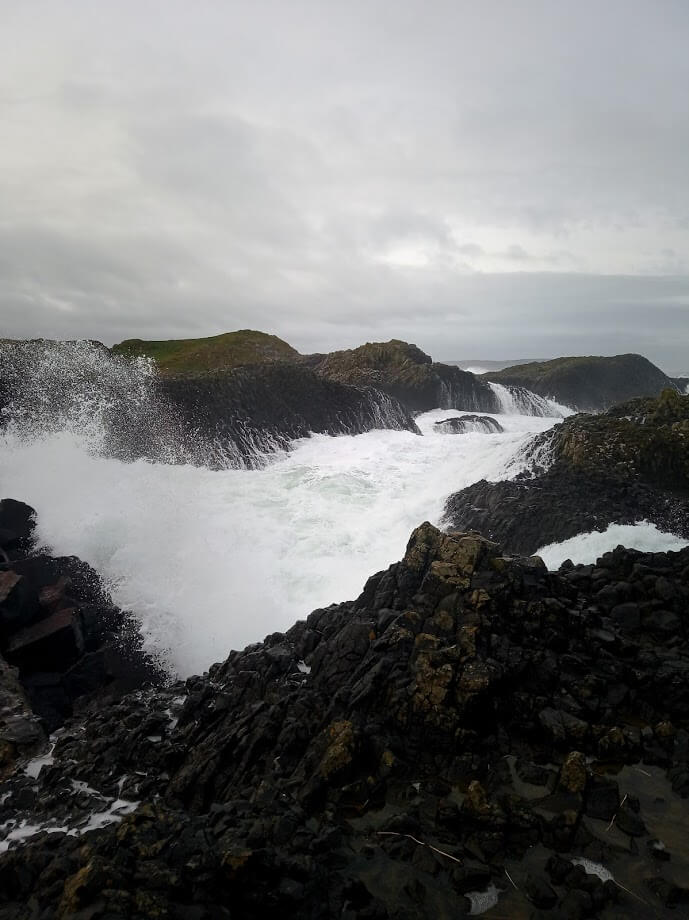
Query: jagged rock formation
[
  {"x": 396, "y": 368},
  {"x": 627, "y": 465},
  {"x": 238, "y": 418},
  {"x": 587, "y": 383},
  {"x": 465, "y": 423},
  {"x": 406, "y": 373},
  {"x": 451, "y": 729},
  {"x": 61, "y": 639}
]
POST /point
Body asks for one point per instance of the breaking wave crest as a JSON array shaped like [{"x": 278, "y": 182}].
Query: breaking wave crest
[
  {"x": 108, "y": 404},
  {"x": 514, "y": 400}
]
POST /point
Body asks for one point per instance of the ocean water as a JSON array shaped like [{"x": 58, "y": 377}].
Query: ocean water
[
  {"x": 211, "y": 560},
  {"x": 587, "y": 547}
]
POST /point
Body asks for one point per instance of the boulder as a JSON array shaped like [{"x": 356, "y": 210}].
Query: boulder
[{"x": 483, "y": 424}]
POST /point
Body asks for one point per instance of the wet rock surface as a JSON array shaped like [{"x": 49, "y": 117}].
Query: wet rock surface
[
  {"x": 473, "y": 732},
  {"x": 220, "y": 418},
  {"x": 61, "y": 638},
  {"x": 409, "y": 375},
  {"x": 627, "y": 465},
  {"x": 232, "y": 418},
  {"x": 464, "y": 424}
]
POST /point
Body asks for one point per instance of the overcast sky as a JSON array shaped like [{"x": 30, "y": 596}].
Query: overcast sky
[{"x": 486, "y": 178}]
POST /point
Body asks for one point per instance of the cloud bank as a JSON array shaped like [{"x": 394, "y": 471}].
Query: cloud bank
[{"x": 485, "y": 179}]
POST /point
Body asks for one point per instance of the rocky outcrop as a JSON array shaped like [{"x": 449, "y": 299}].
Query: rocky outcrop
[
  {"x": 209, "y": 355},
  {"x": 627, "y": 465},
  {"x": 588, "y": 384},
  {"x": 409, "y": 375},
  {"x": 225, "y": 418},
  {"x": 61, "y": 638},
  {"x": 458, "y": 734},
  {"x": 463, "y": 424},
  {"x": 240, "y": 418}
]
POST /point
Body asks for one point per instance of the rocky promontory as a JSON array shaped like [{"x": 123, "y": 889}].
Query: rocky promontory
[
  {"x": 473, "y": 733},
  {"x": 623, "y": 466},
  {"x": 409, "y": 375},
  {"x": 588, "y": 384},
  {"x": 231, "y": 403},
  {"x": 241, "y": 417},
  {"x": 397, "y": 369}
]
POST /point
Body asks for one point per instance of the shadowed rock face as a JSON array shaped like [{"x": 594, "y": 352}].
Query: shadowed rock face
[
  {"x": 483, "y": 424},
  {"x": 387, "y": 756},
  {"x": 256, "y": 410},
  {"x": 627, "y": 465},
  {"x": 587, "y": 383},
  {"x": 408, "y": 374},
  {"x": 229, "y": 417},
  {"x": 61, "y": 638}
]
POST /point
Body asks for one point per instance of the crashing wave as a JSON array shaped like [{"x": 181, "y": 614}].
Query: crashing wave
[
  {"x": 515, "y": 400},
  {"x": 122, "y": 408}
]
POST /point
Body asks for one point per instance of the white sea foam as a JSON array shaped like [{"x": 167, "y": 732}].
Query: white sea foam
[
  {"x": 212, "y": 560},
  {"x": 515, "y": 399},
  {"x": 587, "y": 547}
]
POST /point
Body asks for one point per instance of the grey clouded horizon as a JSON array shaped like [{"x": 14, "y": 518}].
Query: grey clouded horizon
[{"x": 485, "y": 179}]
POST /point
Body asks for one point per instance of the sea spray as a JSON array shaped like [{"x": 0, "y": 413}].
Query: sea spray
[
  {"x": 109, "y": 404},
  {"x": 209, "y": 560},
  {"x": 515, "y": 400}
]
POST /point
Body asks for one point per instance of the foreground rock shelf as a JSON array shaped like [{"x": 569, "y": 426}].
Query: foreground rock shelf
[{"x": 471, "y": 731}]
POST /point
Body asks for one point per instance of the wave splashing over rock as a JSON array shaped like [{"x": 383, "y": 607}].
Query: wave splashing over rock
[
  {"x": 78, "y": 390},
  {"x": 515, "y": 400}
]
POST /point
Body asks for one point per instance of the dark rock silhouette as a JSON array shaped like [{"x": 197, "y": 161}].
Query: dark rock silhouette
[
  {"x": 466, "y": 423},
  {"x": 587, "y": 383},
  {"x": 59, "y": 630}
]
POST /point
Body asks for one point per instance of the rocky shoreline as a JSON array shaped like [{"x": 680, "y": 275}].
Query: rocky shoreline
[
  {"x": 624, "y": 466},
  {"x": 472, "y": 727}
]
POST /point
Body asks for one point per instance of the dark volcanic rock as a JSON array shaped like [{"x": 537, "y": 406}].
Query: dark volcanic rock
[
  {"x": 409, "y": 375},
  {"x": 380, "y": 759},
  {"x": 232, "y": 418},
  {"x": 624, "y": 466},
  {"x": 588, "y": 383},
  {"x": 17, "y": 523},
  {"x": 465, "y": 423},
  {"x": 228, "y": 417},
  {"x": 58, "y": 627}
]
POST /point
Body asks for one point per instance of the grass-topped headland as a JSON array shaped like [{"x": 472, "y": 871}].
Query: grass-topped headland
[
  {"x": 587, "y": 382},
  {"x": 215, "y": 353}
]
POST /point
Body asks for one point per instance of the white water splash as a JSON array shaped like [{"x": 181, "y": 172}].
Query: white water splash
[
  {"x": 21, "y": 831},
  {"x": 482, "y": 901},
  {"x": 594, "y": 868},
  {"x": 520, "y": 401},
  {"x": 585, "y": 548},
  {"x": 212, "y": 560}
]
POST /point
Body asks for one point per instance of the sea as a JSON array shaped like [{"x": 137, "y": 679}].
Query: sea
[{"x": 209, "y": 560}]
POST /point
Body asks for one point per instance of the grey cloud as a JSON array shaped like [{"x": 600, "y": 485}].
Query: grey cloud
[{"x": 264, "y": 165}]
